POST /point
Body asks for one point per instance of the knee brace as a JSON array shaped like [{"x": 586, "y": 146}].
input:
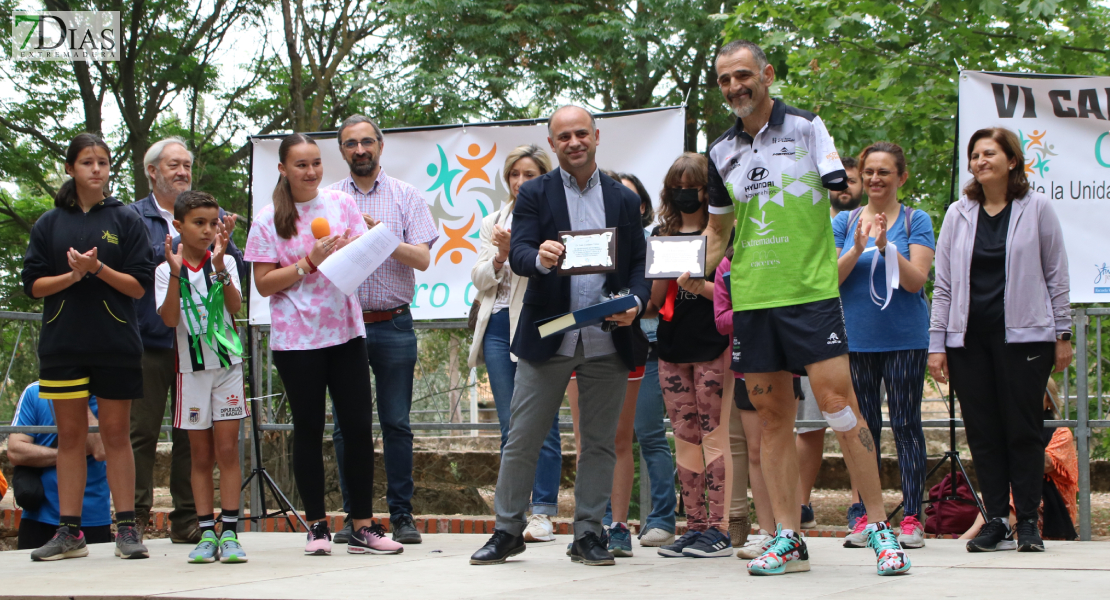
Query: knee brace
[{"x": 842, "y": 420}]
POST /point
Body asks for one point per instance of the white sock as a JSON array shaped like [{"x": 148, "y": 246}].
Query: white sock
[{"x": 787, "y": 533}]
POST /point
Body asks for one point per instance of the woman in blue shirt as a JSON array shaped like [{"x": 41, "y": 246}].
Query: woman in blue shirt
[{"x": 888, "y": 322}]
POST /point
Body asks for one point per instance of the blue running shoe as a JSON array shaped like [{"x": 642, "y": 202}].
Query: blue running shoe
[
  {"x": 620, "y": 540},
  {"x": 675, "y": 550},
  {"x": 808, "y": 520},
  {"x": 787, "y": 554},
  {"x": 230, "y": 549},
  {"x": 207, "y": 550},
  {"x": 855, "y": 512},
  {"x": 890, "y": 558},
  {"x": 710, "y": 544}
]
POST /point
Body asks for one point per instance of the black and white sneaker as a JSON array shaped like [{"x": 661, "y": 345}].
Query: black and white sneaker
[
  {"x": 1028, "y": 536},
  {"x": 710, "y": 544},
  {"x": 675, "y": 550},
  {"x": 995, "y": 536}
]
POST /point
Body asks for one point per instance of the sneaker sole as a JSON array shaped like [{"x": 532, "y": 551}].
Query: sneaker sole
[
  {"x": 670, "y": 553},
  {"x": 621, "y": 552},
  {"x": 335, "y": 539},
  {"x": 498, "y": 561},
  {"x": 351, "y": 549},
  {"x": 530, "y": 538},
  {"x": 1030, "y": 548},
  {"x": 1001, "y": 547},
  {"x": 794, "y": 566},
  {"x": 901, "y": 571},
  {"x": 852, "y": 544},
  {"x": 415, "y": 540},
  {"x": 233, "y": 559},
  {"x": 702, "y": 554},
  {"x": 912, "y": 545},
  {"x": 202, "y": 560},
  {"x": 749, "y": 555},
  {"x": 78, "y": 553},
  {"x": 133, "y": 555},
  {"x": 320, "y": 552},
  {"x": 653, "y": 544}
]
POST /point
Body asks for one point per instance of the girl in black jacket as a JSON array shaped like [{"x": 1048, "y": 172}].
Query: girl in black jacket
[{"x": 89, "y": 259}]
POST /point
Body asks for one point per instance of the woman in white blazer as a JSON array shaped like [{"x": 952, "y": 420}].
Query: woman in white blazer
[{"x": 500, "y": 295}]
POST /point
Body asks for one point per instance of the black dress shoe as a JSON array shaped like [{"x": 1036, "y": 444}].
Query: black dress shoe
[
  {"x": 500, "y": 547},
  {"x": 590, "y": 550}
]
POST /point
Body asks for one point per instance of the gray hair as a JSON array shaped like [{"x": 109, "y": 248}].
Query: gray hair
[
  {"x": 154, "y": 153},
  {"x": 355, "y": 120},
  {"x": 593, "y": 124},
  {"x": 738, "y": 45}
]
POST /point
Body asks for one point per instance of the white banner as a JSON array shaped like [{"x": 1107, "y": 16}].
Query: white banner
[
  {"x": 1063, "y": 127},
  {"x": 459, "y": 171}
]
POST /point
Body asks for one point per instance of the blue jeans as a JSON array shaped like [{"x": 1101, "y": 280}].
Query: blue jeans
[
  {"x": 391, "y": 347},
  {"x": 502, "y": 371},
  {"x": 655, "y": 451}
]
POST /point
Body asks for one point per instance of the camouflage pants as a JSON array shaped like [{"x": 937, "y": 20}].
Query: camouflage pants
[{"x": 700, "y": 412}]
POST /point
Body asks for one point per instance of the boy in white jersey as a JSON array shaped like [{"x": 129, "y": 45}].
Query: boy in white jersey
[{"x": 196, "y": 291}]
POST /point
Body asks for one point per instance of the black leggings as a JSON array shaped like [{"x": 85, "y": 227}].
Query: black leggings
[
  {"x": 1001, "y": 388},
  {"x": 343, "y": 372}
]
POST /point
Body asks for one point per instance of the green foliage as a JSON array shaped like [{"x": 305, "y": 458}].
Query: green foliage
[{"x": 877, "y": 70}]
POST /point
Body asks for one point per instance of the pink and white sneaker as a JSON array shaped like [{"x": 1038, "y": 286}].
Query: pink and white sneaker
[
  {"x": 372, "y": 540},
  {"x": 912, "y": 534},
  {"x": 319, "y": 540}
]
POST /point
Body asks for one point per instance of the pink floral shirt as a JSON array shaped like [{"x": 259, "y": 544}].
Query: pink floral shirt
[{"x": 312, "y": 313}]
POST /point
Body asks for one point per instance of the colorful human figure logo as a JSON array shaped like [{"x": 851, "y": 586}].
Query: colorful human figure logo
[
  {"x": 475, "y": 167},
  {"x": 456, "y": 240},
  {"x": 444, "y": 175}
]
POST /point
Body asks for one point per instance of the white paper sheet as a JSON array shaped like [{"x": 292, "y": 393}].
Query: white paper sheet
[
  {"x": 587, "y": 250},
  {"x": 676, "y": 257},
  {"x": 354, "y": 263}
]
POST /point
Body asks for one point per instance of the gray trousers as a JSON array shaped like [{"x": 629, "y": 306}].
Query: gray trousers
[{"x": 537, "y": 394}]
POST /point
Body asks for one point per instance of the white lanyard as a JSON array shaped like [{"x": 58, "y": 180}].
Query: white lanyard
[{"x": 891, "y": 256}]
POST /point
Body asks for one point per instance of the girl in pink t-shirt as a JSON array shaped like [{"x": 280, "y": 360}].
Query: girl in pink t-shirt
[{"x": 317, "y": 338}]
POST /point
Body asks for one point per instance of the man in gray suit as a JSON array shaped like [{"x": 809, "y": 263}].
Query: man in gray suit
[{"x": 576, "y": 196}]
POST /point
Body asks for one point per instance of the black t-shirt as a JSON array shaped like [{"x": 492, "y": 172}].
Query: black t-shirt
[
  {"x": 987, "y": 310},
  {"x": 691, "y": 334}
]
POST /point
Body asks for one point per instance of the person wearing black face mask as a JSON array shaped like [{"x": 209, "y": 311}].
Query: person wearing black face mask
[{"x": 694, "y": 374}]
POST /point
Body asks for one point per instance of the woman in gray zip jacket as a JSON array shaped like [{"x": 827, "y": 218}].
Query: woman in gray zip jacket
[{"x": 1001, "y": 323}]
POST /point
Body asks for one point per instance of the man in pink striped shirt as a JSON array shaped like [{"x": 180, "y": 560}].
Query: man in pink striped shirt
[{"x": 385, "y": 299}]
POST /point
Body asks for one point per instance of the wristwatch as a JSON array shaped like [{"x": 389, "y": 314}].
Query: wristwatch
[
  {"x": 1064, "y": 336},
  {"x": 300, "y": 271}
]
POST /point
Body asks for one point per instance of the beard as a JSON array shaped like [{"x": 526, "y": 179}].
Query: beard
[
  {"x": 744, "y": 110},
  {"x": 164, "y": 187},
  {"x": 839, "y": 205},
  {"x": 363, "y": 169}
]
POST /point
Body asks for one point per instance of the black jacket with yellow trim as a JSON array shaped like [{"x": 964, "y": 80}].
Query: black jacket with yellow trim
[{"x": 89, "y": 323}]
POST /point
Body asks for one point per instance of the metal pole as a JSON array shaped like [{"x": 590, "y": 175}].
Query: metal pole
[
  {"x": 1082, "y": 429},
  {"x": 472, "y": 381},
  {"x": 256, "y": 385}
]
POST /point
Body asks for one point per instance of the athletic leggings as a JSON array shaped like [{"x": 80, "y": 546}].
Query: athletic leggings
[
  {"x": 904, "y": 374},
  {"x": 309, "y": 377},
  {"x": 699, "y": 415}
]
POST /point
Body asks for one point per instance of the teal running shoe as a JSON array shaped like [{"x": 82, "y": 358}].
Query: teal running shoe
[
  {"x": 620, "y": 540},
  {"x": 207, "y": 550},
  {"x": 890, "y": 559},
  {"x": 787, "y": 554},
  {"x": 230, "y": 549}
]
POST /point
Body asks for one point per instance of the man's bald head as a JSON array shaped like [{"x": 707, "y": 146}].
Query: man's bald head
[{"x": 570, "y": 107}]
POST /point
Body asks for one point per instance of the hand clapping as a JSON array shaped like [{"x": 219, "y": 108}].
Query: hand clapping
[{"x": 82, "y": 263}]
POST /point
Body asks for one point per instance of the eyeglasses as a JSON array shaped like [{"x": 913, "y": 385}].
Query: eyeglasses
[
  {"x": 367, "y": 142},
  {"x": 881, "y": 173}
]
